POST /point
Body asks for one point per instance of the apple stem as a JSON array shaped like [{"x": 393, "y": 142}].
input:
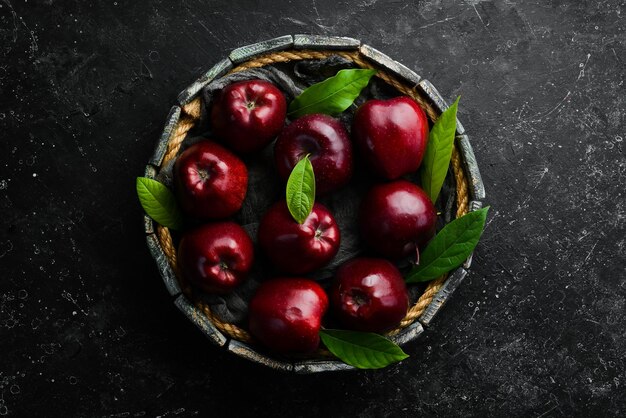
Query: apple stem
[{"x": 417, "y": 255}]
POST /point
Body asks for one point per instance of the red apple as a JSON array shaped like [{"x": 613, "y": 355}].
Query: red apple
[
  {"x": 247, "y": 115},
  {"x": 210, "y": 182},
  {"x": 391, "y": 135},
  {"x": 369, "y": 294},
  {"x": 286, "y": 315},
  {"x": 397, "y": 217},
  {"x": 216, "y": 257},
  {"x": 299, "y": 248},
  {"x": 328, "y": 145}
]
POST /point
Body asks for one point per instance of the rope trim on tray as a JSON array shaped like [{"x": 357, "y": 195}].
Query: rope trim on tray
[{"x": 190, "y": 114}]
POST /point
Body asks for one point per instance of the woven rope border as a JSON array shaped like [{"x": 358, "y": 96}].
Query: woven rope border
[{"x": 190, "y": 115}]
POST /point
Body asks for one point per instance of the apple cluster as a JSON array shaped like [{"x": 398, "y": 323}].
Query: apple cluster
[{"x": 396, "y": 216}]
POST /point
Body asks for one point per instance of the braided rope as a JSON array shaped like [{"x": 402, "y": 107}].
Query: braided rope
[
  {"x": 190, "y": 114},
  {"x": 462, "y": 196},
  {"x": 167, "y": 244},
  {"x": 229, "y": 329},
  {"x": 283, "y": 56}
]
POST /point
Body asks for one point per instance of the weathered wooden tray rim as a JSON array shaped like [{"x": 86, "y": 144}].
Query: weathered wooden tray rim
[{"x": 311, "y": 42}]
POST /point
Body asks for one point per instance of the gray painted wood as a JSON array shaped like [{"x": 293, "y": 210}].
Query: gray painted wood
[
  {"x": 439, "y": 103},
  {"x": 460, "y": 129},
  {"x": 325, "y": 42},
  {"x": 161, "y": 146},
  {"x": 148, "y": 224},
  {"x": 473, "y": 205},
  {"x": 150, "y": 172},
  {"x": 391, "y": 65},
  {"x": 317, "y": 366},
  {"x": 169, "y": 278},
  {"x": 427, "y": 89},
  {"x": 443, "y": 295},
  {"x": 477, "y": 188},
  {"x": 245, "y": 351},
  {"x": 248, "y": 52},
  {"x": 468, "y": 263},
  {"x": 192, "y": 91},
  {"x": 200, "y": 320},
  {"x": 410, "y": 333}
]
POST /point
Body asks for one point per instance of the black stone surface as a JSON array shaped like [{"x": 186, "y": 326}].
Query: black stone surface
[{"x": 536, "y": 328}]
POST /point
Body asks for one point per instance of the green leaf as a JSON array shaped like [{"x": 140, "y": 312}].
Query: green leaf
[
  {"x": 301, "y": 190},
  {"x": 159, "y": 203},
  {"x": 363, "y": 350},
  {"x": 331, "y": 96},
  {"x": 438, "y": 152},
  {"x": 450, "y": 247}
]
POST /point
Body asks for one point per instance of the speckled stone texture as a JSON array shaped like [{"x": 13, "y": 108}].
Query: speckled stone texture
[{"x": 535, "y": 329}]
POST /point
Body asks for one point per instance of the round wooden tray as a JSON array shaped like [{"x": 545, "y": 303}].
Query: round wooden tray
[{"x": 467, "y": 195}]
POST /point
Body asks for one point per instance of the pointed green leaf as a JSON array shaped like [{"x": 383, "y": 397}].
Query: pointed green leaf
[
  {"x": 331, "y": 96},
  {"x": 438, "y": 152},
  {"x": 450, "y": 247},
  {"x": 364, "y": 350},
  {"x": 301, "y": 190},
  {"x": 159, "y": 203}
]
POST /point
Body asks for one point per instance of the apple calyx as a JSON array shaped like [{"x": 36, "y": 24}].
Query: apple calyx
[{"x": 357, "y": 299}]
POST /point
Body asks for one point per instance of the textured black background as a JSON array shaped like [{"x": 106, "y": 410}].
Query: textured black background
[{"x": 536, "y": 329}]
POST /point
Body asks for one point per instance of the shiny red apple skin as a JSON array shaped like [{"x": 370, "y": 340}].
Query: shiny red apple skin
[
  {"x": 391, "y": 135},
  {"x": 286, "y": 315},
  {"x": 396, "y": 217},
  {"x": 299, "y": 248},
  {"x": 369, "y": 294},
  {"x": 247, "y": 115},
  {"x": 326, "y": 141},
  {"x": 210, "y": 182},
  {"x": 216, "y": 257}
]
